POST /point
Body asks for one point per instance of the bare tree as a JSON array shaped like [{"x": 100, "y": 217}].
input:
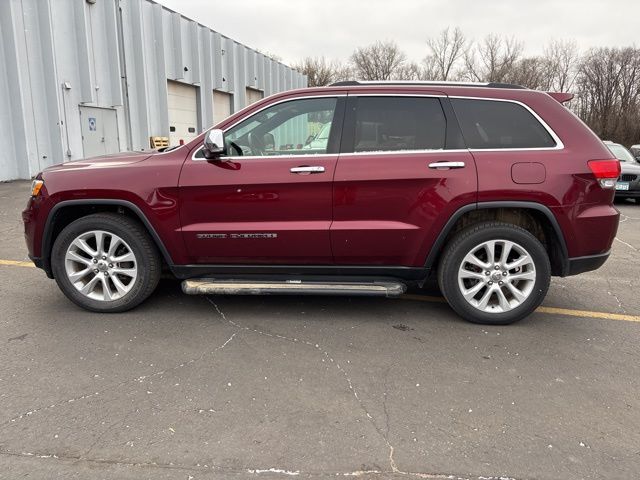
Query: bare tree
[
  {"x": 379, "y": 61},
  {"x": 530, "y": 72},
  {"x": 609, "y": 93},
  {"x": 430, "y": 68},
  {"x": 446, "y": 50},
  {"x": 342, "y": 72},
  {"x": 606, "y": 81},
  {"x": 410, "y": 71},
  {"x": 321, "y": 72},
  {"x": 562, "y": 62},
  {"x": 492, "y": 59}
]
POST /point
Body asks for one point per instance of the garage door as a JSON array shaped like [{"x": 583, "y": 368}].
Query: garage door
[
  {"x": 221, "y": 106},
  {"x": 254, "y": 95},
  {"x": 183, "y": 112}
]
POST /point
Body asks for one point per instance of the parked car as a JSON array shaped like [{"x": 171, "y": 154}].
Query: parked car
[
  {"x": 635, "y": 151},
  {"x": 493, "y": 187},
  {"x": 628, "y": 184}
]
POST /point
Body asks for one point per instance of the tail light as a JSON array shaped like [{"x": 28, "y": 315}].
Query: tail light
[{"x": 605, "y": 171}]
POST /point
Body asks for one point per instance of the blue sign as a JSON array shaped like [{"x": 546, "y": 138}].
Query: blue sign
[{"x": 92, "y": 124}]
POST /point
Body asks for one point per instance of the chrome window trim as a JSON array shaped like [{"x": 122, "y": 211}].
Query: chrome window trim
[
  {"x": 397, "y": 152},
  {"x": 405, "y": 152},
  {"x": 319, "y": 156},
  {"x": 269, "y": 105},
  {"x": 558, "y": 146}
]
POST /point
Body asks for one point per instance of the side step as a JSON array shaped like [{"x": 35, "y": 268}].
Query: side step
[{"x": 212, "y": 286}]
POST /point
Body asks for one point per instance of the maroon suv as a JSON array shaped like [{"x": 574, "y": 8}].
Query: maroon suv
[{"x": 357, "y": 188}]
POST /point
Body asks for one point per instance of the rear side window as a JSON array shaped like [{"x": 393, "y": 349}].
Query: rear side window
[
  {"x": 398, "y": 123},
  {"x": 497, "y": 124}
]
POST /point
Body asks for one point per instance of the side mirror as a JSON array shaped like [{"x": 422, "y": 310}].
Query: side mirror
[{"x": 213, "y": 144}]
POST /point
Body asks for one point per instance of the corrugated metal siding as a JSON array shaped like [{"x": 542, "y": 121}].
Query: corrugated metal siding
[{"x": 45, "y": 44}]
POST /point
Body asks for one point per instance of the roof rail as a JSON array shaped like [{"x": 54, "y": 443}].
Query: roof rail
[{"x": 348, "y": 83}]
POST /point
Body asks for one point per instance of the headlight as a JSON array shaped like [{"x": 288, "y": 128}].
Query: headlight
[{"x": 36, "y": 186}]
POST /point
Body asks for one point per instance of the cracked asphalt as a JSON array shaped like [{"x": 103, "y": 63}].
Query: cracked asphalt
[{"x": 194, "y": 387}]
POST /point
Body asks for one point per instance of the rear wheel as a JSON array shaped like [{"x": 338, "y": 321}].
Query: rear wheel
[
  {"x": 494, "y": 273},
  {"x": 105, "y": 262}
]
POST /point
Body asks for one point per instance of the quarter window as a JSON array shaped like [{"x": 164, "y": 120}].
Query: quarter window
[
  {"x": 398, "y": 123},
  {"x": 489, "y": 124}
]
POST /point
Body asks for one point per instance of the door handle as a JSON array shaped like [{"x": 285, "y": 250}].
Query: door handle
[
  {"x": 303, "y": 170},
  {"x": 446, "y": 165}
]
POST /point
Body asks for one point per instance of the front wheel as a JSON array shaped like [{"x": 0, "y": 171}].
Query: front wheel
[
  {"x": 105, "y": 262},
  {"x": 494, "y": 273}
]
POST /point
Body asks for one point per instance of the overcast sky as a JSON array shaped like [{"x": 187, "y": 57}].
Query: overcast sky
[{"x": 293, "y": 29}]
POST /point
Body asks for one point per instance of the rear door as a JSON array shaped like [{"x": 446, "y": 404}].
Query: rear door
[
  {"x": 270, "y": 200},
  {"x": 402, "y": 172}
]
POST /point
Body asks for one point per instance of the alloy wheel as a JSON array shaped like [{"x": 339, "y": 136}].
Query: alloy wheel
[
  {"x": 101, "y": 265},
  {"x": 497, "y": 276}
]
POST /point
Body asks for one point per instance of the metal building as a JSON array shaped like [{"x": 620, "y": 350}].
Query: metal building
[{"x": 81, "y": 78}]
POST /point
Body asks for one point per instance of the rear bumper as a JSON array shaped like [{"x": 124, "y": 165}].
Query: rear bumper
[
  {"x": 589, "y": 231},
  {"x": 579, "y": 265}
]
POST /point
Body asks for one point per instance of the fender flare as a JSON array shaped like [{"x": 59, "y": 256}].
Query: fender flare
[
  {"x": 45, "y": 249},
  {"x": 439, "y": 243}
]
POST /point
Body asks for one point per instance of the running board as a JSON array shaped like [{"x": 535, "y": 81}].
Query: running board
[{"x": 211, "y": 286}]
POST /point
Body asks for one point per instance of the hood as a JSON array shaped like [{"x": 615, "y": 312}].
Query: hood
[
  {"x": 628, "y": 167},
  {"x": 105, "y": 161}
]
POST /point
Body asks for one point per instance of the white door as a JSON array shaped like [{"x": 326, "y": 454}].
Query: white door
[
  {"x": 99, "y": 128},
  {"x": 183, "y": 112},
  {"x": 222, "y": 103}
]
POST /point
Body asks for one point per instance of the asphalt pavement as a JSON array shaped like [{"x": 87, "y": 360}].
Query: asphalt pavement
[{"x": 196, "y": 387}]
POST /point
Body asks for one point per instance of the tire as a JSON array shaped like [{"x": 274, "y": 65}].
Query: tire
[
  {"x": 523, "y": 287},
  {"x": 131, "y": 271}
]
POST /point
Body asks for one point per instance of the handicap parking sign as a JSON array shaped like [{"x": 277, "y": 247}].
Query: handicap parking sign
[{"x": 92, "y": 124}]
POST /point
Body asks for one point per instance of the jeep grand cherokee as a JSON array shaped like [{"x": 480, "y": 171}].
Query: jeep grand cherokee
[{"x": 492, "y": 187}]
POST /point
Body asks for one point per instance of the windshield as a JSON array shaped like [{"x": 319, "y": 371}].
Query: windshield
[{"x": 621, "y": 153}]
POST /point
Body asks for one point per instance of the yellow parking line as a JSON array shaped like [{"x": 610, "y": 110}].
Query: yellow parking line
[
  {"x": 589, "y": 314},
  {"x": 548, "y": 310},
  {"x": 16, "y": 263}
]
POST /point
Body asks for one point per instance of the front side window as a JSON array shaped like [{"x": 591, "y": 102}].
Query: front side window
[
  {"x": 296, "y": 127},
  {"x": 388, "y": 124},
  {"x": 490, "y": 124}
]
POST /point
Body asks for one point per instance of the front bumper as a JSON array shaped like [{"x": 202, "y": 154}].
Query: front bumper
[
  {"x": 43, "y": 264},
  {"x": 627, "y": 193}
]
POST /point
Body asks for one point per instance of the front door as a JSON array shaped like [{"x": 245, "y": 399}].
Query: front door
[
  {"x": 402, "y": 173},
  {"x": 269, "y": 199}
]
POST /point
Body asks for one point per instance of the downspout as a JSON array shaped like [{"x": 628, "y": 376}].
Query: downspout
[{"x": 123, "y": 76}]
